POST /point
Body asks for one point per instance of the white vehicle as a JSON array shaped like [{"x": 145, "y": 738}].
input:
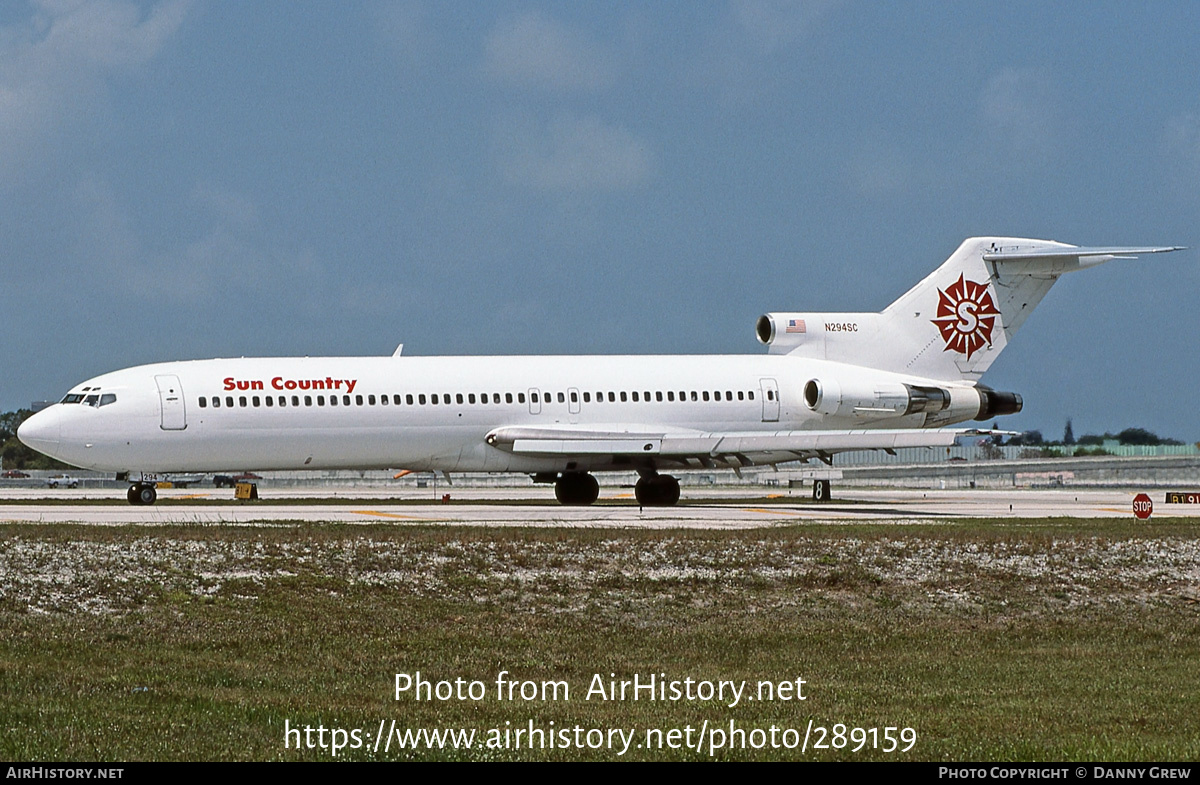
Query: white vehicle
[
  {"x": 64, "y": 480},
  {"x": 829, "y": 382}
]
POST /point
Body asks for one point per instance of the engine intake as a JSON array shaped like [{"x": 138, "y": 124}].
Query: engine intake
[
  {"x": 764, "y": 328},
  {"x": 784, "y": 332}
]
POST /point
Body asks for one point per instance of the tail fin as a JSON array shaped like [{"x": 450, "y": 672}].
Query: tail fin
[{"x": 954, "y": 323}]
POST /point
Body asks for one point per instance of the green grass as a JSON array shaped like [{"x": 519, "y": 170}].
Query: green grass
[{"x": 1026, "y": 640}]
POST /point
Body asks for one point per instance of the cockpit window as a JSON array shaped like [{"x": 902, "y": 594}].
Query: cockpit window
[{"x": 96, "y": 398}]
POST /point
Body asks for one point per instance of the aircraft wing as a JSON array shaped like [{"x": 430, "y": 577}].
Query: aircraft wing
[{"x": 709, "y": 448}]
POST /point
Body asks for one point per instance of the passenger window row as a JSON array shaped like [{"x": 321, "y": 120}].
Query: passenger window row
[{"x": 446, "y": 399}]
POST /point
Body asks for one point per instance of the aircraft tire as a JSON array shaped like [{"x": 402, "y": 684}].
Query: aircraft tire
[
  {"x": 146, "y": 494},
  {"x": 670, "y": 490},
  {"x": 577, "y": 489},
  {"x": 657, "y": 490},
  {"x": 132, "y": 495},
  {"x": 593, "y": 488}
]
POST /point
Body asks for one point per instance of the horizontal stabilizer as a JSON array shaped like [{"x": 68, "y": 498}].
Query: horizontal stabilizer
[{"x": 1113, "y": 252}]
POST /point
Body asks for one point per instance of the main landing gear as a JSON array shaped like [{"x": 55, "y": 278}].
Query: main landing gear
[
  {"x": 580, "y": 489},
  {"x": 576, "y": 489},
  {"x": 141, "y": 493},
  {"x": 657, "y": 490}
]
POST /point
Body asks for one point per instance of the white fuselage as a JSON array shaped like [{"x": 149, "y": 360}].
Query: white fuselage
[
  {"x": 434, "y": 413},
  {"x": 830, "y": 383}
]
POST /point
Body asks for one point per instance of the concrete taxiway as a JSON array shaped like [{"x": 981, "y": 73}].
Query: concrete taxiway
[{"x": 714, "y": 508}]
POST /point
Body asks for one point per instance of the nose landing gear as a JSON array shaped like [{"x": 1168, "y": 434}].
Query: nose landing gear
[{"x": 141, "y": 494}]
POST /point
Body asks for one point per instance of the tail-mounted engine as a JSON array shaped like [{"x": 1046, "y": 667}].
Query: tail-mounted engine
[
  {"x": 870, "y": 401},
  {"x": 880, "y": 400}
]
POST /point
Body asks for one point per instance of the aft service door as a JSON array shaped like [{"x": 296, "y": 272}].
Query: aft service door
[
  {"x": 170, "y": 395},
  {"x": 770, "y": 400}
]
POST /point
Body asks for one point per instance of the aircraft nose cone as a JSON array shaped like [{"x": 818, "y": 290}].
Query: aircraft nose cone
[{"x": 41, "y": 432}]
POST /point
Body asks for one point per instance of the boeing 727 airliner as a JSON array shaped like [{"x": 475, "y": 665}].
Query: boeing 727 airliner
[{"x": 829, "y": 382}]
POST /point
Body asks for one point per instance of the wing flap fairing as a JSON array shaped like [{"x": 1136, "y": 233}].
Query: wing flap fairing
[{"x": 731, "y": 447}]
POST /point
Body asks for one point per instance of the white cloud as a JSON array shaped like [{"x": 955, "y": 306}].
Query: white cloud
[
  {"x": 54, "y": 66},
  {"x": 105, "y": 239},
  {"x": 775, "y": 23},
  {"x": 534, "y": 51},
  {"x": 879, "y": 168},
  {"x": 227, "y": 207},
  {"x": 1182, "y": 138},
  {"x": 737, "y": 58},
  {"x": 1019, "y": 111},
  {"x": 107, "y": 34},
  {"x": 574, "y": 154},
  {"x": 231, "y": 249},
  {"x": 405, "y": 32}
]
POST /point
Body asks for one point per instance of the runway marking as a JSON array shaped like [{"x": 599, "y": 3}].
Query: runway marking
[
  {"x": 773, "y": 512},
  {"x": 1157, "y": 512},
  {"x": 388, "y": 515}
]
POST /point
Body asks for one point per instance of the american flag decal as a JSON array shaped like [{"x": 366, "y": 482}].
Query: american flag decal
[{"x": 795, "y": 326}]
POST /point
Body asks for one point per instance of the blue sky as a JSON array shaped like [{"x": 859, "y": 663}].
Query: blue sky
[{"x": 194, "y": 179}]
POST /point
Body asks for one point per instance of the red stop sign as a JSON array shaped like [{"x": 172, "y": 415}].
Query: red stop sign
[{"x": 1142, "y": 506}]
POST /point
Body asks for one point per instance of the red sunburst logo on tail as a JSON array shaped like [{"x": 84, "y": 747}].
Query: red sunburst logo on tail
[{"x": 966, "y": 316}]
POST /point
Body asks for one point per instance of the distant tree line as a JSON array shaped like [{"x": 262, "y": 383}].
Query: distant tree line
[
  {"x": 1088, "y": 444},
  {"x": 13, "y": 454},
  {"x": 1127, "y": 436}
]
